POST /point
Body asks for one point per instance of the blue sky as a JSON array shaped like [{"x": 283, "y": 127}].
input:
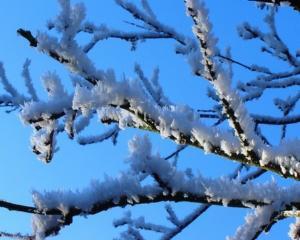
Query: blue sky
[{"x": 74, "y": 166}]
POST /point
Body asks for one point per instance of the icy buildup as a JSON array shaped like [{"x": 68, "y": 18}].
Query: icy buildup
[
  {"x": 69, "y": 21},
  {"x": 294, "y": 232},
  {"x": 43, "y": 141},
  {"x": 41, "y": 223},
  {"x": 254, "y": 222},
  {"x": 32, "y": 111},
  {"x": 53, "y": 86}
]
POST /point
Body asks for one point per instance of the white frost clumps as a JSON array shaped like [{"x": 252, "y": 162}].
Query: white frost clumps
[
  {"x": 210, "y": 138},
  {"x": 69, "y": 20},
  {"x": 53, "y": 86},
  {"x": 43, "y": 142},
  {"x": 223, "y": 87},
  {"x": 202, "y": 29},
  {"x": 254, "y": 222},
  {"x": 286, "y": 156},
  {"x": 102, "y": 94},
  {"x": 140, "y": 153},
  {"x": 294, "y": 232},
  {"x": 42, "y": 223}
]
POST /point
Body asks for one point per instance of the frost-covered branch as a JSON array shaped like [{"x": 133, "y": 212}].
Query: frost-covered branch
[
  {"x": 252, "y": 68},
  {"x": 274, "y": 44},
  {"x": 231, "y": 103},
  {"x": 142, "y": 103},
  {"x": 134, "y": 114},
  {"x": 180, "y": 225},
  {"x": 110, "y": 134},
  {"x": 293, "y": 3},
  {"x": 16, "y": 236},
  {"x": 180, "y": 187}
]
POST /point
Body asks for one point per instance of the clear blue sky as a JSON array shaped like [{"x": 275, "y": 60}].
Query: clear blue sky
[{"x": 74, "y": 166}]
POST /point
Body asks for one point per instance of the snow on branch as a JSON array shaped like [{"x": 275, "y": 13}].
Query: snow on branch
[
  {"x": 141, "y": 103},
  {"x": 169, "y": 185},
  {"x": 256, "y": 222},
  {"x": 125, "y": 101},
  {"x": 274, "y": 44},
  {"x": 231, "y": 103}
]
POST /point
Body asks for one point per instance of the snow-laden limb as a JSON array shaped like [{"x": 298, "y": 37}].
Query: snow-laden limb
[
  {"x": 66, "y": 50},
  {"x": 169, "y": 185},
  {"x": 113, "y": 107},
  {"x": 59, "y": 99},
  {"x": 172, "y": 121},
  {"x": 232, "y": 104},
  {"x": 140, "y": 103},
  {"x": 253, "y": 147},
  {"x": 41, "y": 113},
  {"x": 180, "y": 225},
  {"x": 125, "y": 102}
]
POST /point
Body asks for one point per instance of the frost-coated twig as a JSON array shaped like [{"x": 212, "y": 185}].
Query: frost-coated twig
[
  {"x": 16, "y": 236},
  {"x": 293, "y": 3},
  {"x": 286, "y": 106},
  {"x": 109, "y": 134},
  {"x": 176, "y": 152},
  {"x": 252, "y": 68},
  {"x": 150, "y": 21},
  {"x": 274, "y": 44},
  {"x": 239, "y": 119}
]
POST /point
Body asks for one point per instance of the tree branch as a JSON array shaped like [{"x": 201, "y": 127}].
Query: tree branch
[{"x": 293, "y": 3}]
